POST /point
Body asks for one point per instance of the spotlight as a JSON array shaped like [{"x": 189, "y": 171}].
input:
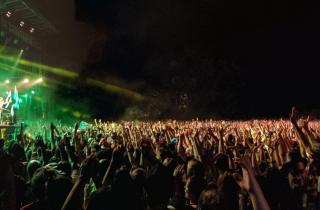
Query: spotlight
[
  {"x": 26, "y": 80},
  {"x": 33, "y": 92},
  {"x": 37, "y": 81},
  {"x": 8, "y": 14},
  {"x": 7, "y": 81},
  {"x": 21, "y": 23},
  {"x": 31, "y": 30}
]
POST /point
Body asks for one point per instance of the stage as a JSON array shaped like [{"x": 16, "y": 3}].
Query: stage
[{"x": 10, "y": 132}]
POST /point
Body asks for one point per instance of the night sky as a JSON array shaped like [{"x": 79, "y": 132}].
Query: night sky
[{"x": 192, "y": 58}]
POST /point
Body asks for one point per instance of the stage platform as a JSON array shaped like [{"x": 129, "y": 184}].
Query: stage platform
[{"x": 10, "y": 131}]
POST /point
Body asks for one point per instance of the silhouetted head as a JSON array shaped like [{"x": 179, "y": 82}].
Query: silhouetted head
[
  {"x": 195, "y": 168},
  {"x": 209, "y": 198},
  {"x": 40, "y": 180},
  {"x": 193, "y": 188},
  {"x": 32, "y": 166}
]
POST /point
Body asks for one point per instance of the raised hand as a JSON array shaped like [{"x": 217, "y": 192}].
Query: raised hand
[
  {"x": 293, "y": 117},
  {"x": 248, "y": 182},
  {"x": 179, "y": 171},
  {"x": 77, "y": 125},
  {"x": 245, "y": 181},
  {"x": 305, "y": 123},
  {"x": 89, "y": 168},
  {"x": 52, "y": 126}
]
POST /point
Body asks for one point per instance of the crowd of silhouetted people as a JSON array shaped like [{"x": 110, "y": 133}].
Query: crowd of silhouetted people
[{"x": 157, "y": 165}]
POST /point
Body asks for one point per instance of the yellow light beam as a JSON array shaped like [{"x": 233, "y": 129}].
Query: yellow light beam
[
  {"x": 115, "y": 89},
  {"x": 9, "y": 68},
  {"x": 73, "y": 75},
  {"x": 57, "y": 71}
]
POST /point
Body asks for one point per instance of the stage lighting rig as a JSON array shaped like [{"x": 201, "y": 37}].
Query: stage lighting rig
[{"x": 8, "y": 14}]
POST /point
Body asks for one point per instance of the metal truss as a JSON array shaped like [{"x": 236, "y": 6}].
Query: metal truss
[{"x": 21, "y": 10}]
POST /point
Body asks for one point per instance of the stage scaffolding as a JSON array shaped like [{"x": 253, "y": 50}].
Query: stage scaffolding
[
  {"x": 19, "y": 21},
  {"x": 28, "y": 37},
  {"x": 26, "y": 13}
]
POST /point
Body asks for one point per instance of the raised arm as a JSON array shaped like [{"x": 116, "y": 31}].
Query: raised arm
[
  {"x": 303, "y": 140},
  {"x": 221, "y": 148},
  {"x": 112, "y": 166},
  {"x": 248, "y": 182},
  {"x": 53, "y": 139},
  {"x": 89, "y": 169}
]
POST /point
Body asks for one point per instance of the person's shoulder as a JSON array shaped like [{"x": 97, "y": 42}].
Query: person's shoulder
[
  {"x": 185, "y": 207},
  {"x": 27, "y": 207},
  {"x": 261, "y": 178},
  {"x": 230, "y": 182},
  {"x": 34, "y": 206},
  {"x": 286, "y": 167},
  {"x": 101, "y": 193}
]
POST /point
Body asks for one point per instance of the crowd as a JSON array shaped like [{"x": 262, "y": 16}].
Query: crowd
[{"x": 147, "y": 165}]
